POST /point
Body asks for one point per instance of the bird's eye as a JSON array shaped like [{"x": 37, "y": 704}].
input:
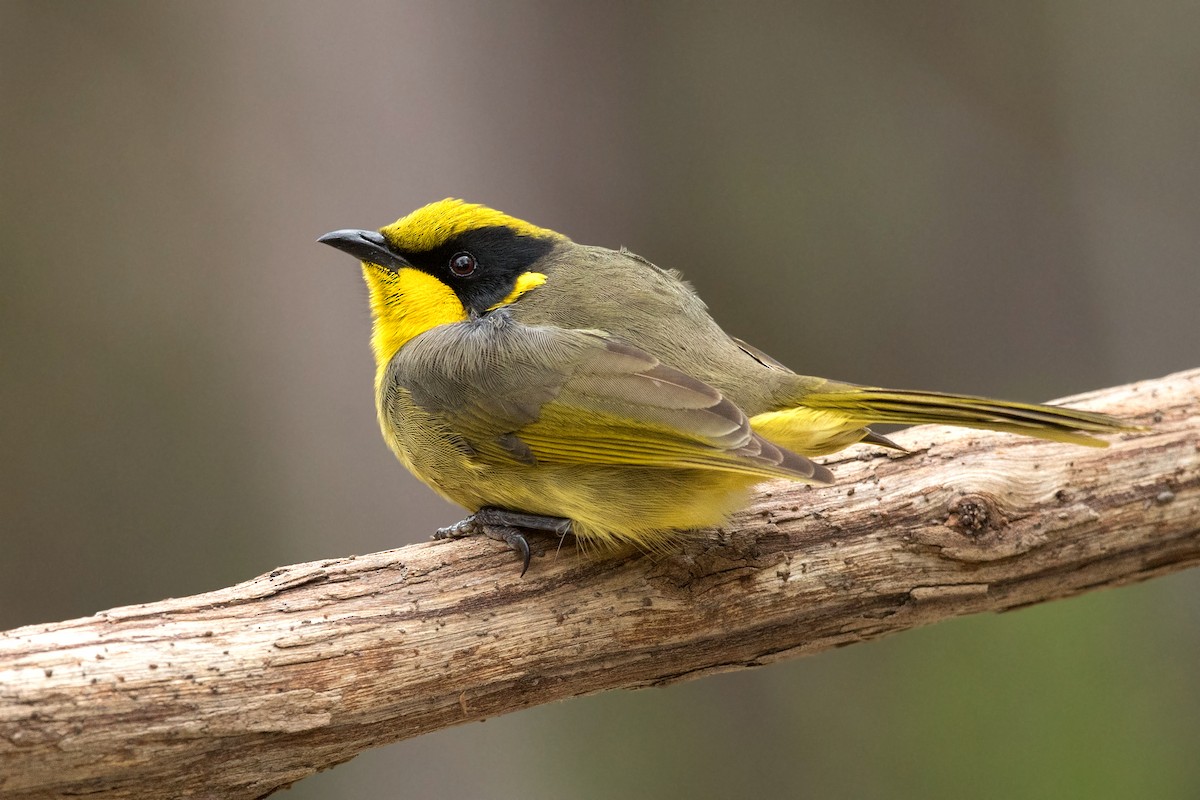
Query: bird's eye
[{"x": 462, "y": 264}]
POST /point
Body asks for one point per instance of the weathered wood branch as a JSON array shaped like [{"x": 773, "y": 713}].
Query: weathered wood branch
[{"x": 238, "y": 692}]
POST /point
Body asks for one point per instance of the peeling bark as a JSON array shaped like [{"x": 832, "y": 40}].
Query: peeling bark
[{"x": 241, "y": 691}]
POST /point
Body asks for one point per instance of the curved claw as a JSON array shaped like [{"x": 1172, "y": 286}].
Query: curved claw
[
  {"x": 517, "y": 541},
  {"x": 508, "y": 527}
]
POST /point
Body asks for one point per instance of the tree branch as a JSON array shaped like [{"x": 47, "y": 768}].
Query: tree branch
[{"x": 238, "y": 692}]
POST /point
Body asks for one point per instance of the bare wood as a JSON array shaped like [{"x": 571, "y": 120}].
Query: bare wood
[{"x": 237, "y": 692}]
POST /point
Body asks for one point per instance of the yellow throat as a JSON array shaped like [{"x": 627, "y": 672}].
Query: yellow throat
[{"x": 407, "y": 303}]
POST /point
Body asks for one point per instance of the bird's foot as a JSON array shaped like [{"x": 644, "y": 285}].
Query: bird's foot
[{"x": 505, "y": 526}]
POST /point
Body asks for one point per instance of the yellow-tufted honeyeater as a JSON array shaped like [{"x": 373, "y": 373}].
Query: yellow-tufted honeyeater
[{"x": 547, "y": 385}]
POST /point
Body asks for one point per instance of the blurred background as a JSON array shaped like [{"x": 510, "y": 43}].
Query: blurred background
[{"x": 999, "y": 198}]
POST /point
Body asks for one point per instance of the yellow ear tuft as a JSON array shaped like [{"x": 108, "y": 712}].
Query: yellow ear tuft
[
  {"x": 525, "y": 282},
  {"x": 433, "y": 225}
]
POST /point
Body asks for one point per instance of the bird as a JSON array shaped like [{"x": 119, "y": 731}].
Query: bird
[{"x": 551, "y": 386}]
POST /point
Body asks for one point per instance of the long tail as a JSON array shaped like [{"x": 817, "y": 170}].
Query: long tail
[{"x": 835, "y": 417}]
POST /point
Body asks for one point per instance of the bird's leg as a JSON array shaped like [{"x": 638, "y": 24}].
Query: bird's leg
[{"x": 508, "y": 527}]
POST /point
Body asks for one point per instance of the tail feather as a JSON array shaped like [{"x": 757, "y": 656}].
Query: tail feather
[{"x": 866, "y": 405}]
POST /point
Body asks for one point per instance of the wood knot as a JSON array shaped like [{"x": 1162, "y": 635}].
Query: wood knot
[
  {"x": 973, "y": 515},
  {"x": 983, "y": 527}
]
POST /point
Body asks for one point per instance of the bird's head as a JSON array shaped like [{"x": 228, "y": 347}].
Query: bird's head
[{"x": 446, "y": 262}]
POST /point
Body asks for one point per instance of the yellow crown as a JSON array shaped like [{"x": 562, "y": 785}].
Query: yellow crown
[{"x": 433, "y": 225}]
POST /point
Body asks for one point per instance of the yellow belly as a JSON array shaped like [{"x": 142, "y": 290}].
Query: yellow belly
[{"x": 608, "y": 505}]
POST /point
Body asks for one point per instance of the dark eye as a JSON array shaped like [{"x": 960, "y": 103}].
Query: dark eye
[{"x": 462, "y": 264}]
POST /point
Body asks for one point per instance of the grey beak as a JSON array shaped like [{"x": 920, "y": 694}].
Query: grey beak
[{"x": 365, "y": 246}]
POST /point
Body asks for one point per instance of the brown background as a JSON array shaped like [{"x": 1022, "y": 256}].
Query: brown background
[{"x": 999, "y": 198}]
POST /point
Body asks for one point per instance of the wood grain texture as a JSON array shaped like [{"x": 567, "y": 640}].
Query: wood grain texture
[{"x": 238, "y": 692}]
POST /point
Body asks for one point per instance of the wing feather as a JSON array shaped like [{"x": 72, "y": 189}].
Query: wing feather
[{"x": 545, "y": 394}]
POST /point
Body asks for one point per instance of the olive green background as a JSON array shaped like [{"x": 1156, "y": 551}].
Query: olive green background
[{"x": 1000, "y": 198}]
